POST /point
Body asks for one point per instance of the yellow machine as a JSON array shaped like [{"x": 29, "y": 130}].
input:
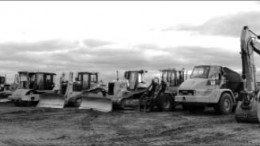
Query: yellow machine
[
  {"x": 211, "y": 86},
  {"x": 31, "y": 85},
  {"x": 162, "y": 95},
  {"x": 122, "y": 94},
  {"x": 248, "y": 108},
  {"x": 67, "y": 95}
]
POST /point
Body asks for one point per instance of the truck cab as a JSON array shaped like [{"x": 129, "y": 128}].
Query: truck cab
[{"x": 210, "y": 85}]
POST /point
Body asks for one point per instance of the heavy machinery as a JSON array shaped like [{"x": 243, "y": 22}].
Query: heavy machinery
[
  {"x": 4, "y": 89},
  {"x": 123, "y": 94},
  {"x": 210, "y": 85},
  {"x": 69, "y": 91},
  {"x": 31, "y": 85},
  {"x": 248, "y": 108},
  {"x": 161, "y": 95}
]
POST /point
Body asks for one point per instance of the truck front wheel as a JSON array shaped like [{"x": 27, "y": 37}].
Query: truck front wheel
[{"x": 225, "y": 104}]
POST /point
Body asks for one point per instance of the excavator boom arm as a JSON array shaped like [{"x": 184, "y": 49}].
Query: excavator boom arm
[{"x": 249, "y": 45}]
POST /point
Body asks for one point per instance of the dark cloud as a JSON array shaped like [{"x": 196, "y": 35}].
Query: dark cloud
[
  {"x": 230, "y": 25},
  {"x": 107, "y": 60},
  {"x": 40, "y": 46}
]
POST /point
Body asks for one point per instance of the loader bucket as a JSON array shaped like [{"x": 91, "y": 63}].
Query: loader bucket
[
  {"x": 95, "y": 102},
  {"x": 51, "y": 100}
]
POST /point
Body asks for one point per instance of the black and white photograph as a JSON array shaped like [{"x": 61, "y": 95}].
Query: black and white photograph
[{"x": 148, "y": 73}]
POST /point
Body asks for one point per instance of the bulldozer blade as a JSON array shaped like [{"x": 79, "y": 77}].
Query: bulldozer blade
[
  {"x": 102, "y": 104},
  {"x": 249, "y": 115},
  {"x": 51, "y": 100}
]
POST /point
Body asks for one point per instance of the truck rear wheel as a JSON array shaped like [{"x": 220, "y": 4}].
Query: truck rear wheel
[
  {"x": 225, "y": 104},
  {"x": 166, "y": 102}
]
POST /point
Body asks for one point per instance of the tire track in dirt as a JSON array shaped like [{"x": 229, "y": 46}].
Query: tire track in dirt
[{"x": 124, "y": 128}]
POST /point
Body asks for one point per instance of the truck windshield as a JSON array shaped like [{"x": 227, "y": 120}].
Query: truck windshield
[{"x": 200, "y": 72}]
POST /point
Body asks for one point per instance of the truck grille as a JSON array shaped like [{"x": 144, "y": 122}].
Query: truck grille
[{"x": 187, "y": 92}]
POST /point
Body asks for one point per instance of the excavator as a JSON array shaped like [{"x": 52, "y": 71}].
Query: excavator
[
  {"x": 161, "y": 95},
  {"x": 30, "y": 86},
  {"x": 248, "y": 108},
  {"x": 123, "y": 94},
  {"x": 67, "y": 95}
]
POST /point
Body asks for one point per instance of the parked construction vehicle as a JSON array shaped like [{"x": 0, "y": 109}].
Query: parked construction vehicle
[
  {"x": 4, "y": 89},
  {"x": 31, "y": 85},
  {"x": 210, "y": 85},
  {"x": 248, "y": 108},
  {"x": 161, "y": 95},
  {"x": 123, "y": 94},
  {"x": 69, "y": 91}
]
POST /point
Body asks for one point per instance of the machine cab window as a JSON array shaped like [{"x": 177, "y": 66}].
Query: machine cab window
[
  {"x": 94, "y": 78},
  {"x": 23, "y": 80},
  {"x": 214, "y": 73},
  {"x": 200, "y": 72},
  {"x": 85, "y": 80}
]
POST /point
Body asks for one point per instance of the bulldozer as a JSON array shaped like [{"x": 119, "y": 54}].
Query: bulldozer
[
  {"x": 67, "y": 96},
  {"x": 248, "y": 108},
  {"x": 123, "y": 94},
  {"x": 30, "y": 86},
  {"x": 161, "y": 95}
]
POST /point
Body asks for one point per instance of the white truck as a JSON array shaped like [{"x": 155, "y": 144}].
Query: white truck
[{"x": 210, "y": 85}]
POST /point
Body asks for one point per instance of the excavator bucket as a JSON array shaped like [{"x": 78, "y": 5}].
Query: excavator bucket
[
  {"x": 250, "y": 114},
  {"x": 51, "y": 100},
  {"x": 96, "y": 102}
]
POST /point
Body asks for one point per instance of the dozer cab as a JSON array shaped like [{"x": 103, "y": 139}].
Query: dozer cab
[
  {"x": 248, "y": 108},
  {"x": 67, "y": 95},
  {"x": 123, "y": 94},
  {"x": 31, "y": 85},
  {"x": 161, "y": 95},
  {"x": 211, "y": 86}
]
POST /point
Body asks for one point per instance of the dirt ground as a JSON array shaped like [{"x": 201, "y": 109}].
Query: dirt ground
[{"x": 31, "y": 126}]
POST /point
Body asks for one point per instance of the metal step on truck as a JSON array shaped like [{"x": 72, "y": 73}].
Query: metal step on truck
[{"x": 212, "y": 86}]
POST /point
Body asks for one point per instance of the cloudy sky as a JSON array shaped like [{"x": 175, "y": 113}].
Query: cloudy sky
[{"x": 108, "y": 36}]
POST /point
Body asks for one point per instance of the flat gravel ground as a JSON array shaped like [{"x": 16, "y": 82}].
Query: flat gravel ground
[{"x": 30, "y": 126}]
